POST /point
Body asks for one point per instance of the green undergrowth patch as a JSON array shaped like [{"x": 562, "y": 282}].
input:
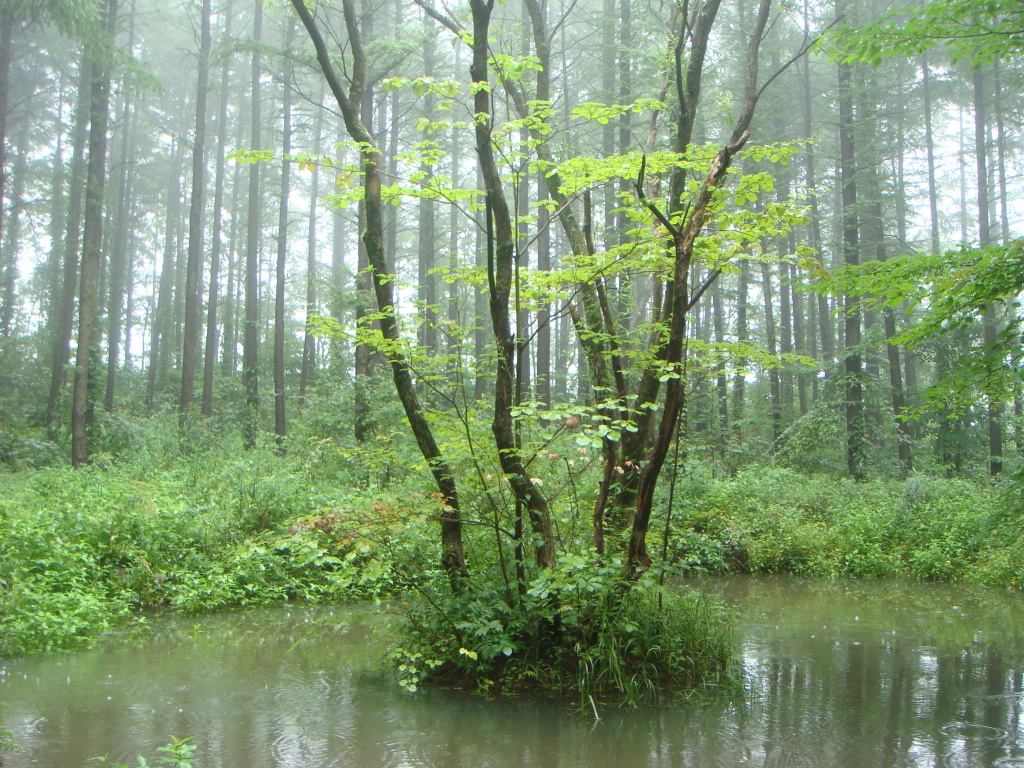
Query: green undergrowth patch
[
  {"x": 91, "y": 551},
  {"x": 576, "y": 632},
  {"x": 778, "y": 521}
]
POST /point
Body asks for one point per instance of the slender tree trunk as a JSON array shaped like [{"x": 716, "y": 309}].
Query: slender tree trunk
[
  {"x": 775, "y": 384},
  {"x": 92, "y": 239},
  {"x": 120, "y": 258},
  {"x": 929, "y": 143},
  {"x": 362, "y": 427},
  {"x": 501, "y": 258},
  {"x": 250, "y": 342},
  {"x": 229, "y": 350},
  {"x": 739, "y": 381},
  {"x": 194, "y": 265},
  {"x": 56, "y": 228},
  {"x": 543, "y": 375},
  {"x": 210, "y": 347},
  {"x": 1000, "y": 118},
  {"x": 855, "y": 427},
  {"x": 308, "y": 371},
  {"x": 454, "y": 306},
  {"x": 162, "y": 316},
  {"x": 721, "y": 381},
  {"x": 7, "y": 270},
  {"x": 452, "y": 555},
  {"x": 72, "y": 245},
  {"x": 280, "y": 427},
  {"x": 9, "y": 246},
  {"x": 339, "y": 245},
  {"x": 995, "y": 408},
  {"x": 427, "y": 292},
  {"x": 824, "y": 319}
]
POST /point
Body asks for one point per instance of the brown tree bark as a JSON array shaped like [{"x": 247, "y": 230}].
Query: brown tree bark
[
  {"x": 92, "y": 239},
  {"x": 213, "y": 288},
  {"x": 280, "y": 426},
  {"x": 194, "y": 264},
  {"x": 855, "y": 427},
  {"x": 72, "y": 245},
  {"x": 251, "y": 330},
  {"x": 452, "y": 555}
]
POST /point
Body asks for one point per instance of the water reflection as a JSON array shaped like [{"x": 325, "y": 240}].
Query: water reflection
[{"x": 840, "y": 674}]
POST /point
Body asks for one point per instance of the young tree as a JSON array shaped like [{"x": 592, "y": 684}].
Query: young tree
[{"x": 349, "y": 101}]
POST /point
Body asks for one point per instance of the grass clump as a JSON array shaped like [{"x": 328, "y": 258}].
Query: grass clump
[{"x": 577, "y": 631}]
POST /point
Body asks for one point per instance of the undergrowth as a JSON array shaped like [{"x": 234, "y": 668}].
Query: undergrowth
[
  {"x": 208, "y": 525},
  {"x": 778, "y": 521},
  {"x": 576, "y": 632}
]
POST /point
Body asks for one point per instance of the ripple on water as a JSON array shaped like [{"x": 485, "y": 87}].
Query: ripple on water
[
  {"x": 973, "y": 731},
  {"x": 1009, "y": 761}
]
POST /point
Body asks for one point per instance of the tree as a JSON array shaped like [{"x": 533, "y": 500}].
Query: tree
[
  {"x": 194, "y": 266},
  {"x": 92, "y": 238},
  {"x": 251, "y": 331},
  {"x": 349, "y": 101}
]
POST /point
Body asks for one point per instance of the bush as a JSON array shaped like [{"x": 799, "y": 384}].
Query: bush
[{"x": 577, "y": 630}]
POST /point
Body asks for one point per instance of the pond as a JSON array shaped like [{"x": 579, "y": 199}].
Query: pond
[{"x": 849, "y": 674}]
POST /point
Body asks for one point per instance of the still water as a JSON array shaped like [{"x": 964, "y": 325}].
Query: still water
[{"x": 849, "y": 674}]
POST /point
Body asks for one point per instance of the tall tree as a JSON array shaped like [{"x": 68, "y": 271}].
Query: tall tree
[
  {"x": 120, "y": 258},
  {"x": 994, "y": 407},
  {"x": 349, "y": 99},
  {"x": 856, "y": 451},
  {"x": 101, "y": 58},
  {"x": 309, "y": 362},
  {"x": 280, "y": 428},
  {"x": 216, "y": 245},
  {"x": 65, "y": 313},
  {"x": 194, "y": 265},
  {"x": 251, "y": 332}
]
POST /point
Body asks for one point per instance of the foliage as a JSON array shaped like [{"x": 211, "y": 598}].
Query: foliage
[
  {"x": 177, "y": 753},
  {"x": 575, "y": 630},
  {"x": 775, "y": 521},
  {"x": 979, "y": 30},
  {"x": 950, "y": 293},
  {"x": 7, "y": 742},
  {"x": 81, "y": 552}
]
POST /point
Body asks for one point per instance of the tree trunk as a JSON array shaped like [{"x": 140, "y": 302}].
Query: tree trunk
[
  {"x": 120, "y": 259},
  {"x": 210, "y": 347},
  {"x": 72, "y": 244},
  {"x": 500, "y": 263},
  {"x": 308, "y": 371},
  {"x": 162, "y": 316},
  {"x": 994, "y": 408},
  {"x": 92, "y": 239},
  {"x": 280, "y": 427},
  {"x": 7, "y": 271},
  {"x": 452, "y": 555},
  {"x": 775, "y": 394},
  {"x": 855, "y": 427},
  {"x": 251, "y": 337},
  {"x": 194, "y": 265}
]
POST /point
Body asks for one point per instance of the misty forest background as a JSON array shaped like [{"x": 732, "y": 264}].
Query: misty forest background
[{"x": 199, "y": 245}]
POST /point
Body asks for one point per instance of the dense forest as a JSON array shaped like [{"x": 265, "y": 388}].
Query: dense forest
[{"x": 503, "y": 303}]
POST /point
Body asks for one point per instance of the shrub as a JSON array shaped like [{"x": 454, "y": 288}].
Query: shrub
[{"x": 577, "y": 630}]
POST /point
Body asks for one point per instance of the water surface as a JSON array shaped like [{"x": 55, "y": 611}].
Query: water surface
[{"x": 850, "y": 674}]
